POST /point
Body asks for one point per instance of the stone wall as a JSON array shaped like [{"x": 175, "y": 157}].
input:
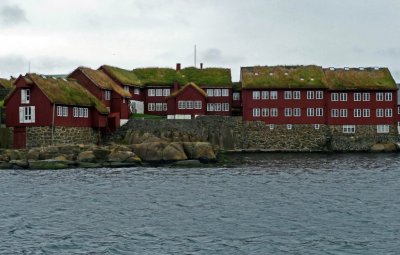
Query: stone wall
[
  {"x": 231, "y": 133},
  {"x": 42, "y": 136}
]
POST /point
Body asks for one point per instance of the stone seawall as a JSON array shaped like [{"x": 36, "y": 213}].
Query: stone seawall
[
  {"x": 42, "y": 136},
  {"x": 231, "y": 133}
]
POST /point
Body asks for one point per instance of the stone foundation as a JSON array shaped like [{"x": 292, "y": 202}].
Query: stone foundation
[
  {"x": 43, "y": 136},
  {"x": 231, "y": 133}
]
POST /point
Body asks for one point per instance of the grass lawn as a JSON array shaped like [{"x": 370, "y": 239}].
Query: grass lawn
[{"x": 145, "y": 116}]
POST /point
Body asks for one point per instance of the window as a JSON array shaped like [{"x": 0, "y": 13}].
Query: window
[
  {"x": 81, "y": 114},
  {"x": 166, "y": 92},
  {"x": 218, "y": 107},
  {"x": 236, "y": 96},
  {"x": 357, "y": 113},
  {"x": 366, "y": 113},
  {"x": 357, "y": 96},
  {"x": 136, "y": 91},
  {"x": 159, "y": 107},
  {"x": 265, "y": 112},
  {"x": 85, "y": 112},
  {"x": 76, "y": 112},
  {"x": 151, "y": 107},
  {"x": 379, "y": 113},
  {"x": 62, "y": 111},
  {"x": 319, "y": 94},
  {"x": 256, "y": 95},
  {"x": 210, "y": 107},
  {"x": 379, "y": 96},
  {"x": 181, "y": 105},
  {"x": 210, "y": 92},
  {"x": 197, "y": 104},
  {"x": 288, "y": 112},
  {"x": 289, "y": 126},
  {"x": 271, "y": 126},
  {"x": 310, "y": 94},
  {"x": 335, "y": 113},
  {"x": 27, "y": 114},
  {"x": 388, "y": 96},
  {"x": 165, "y": 107},
  {"x": 382, "y": 129},
  {"x": 107, "y": 94},
  {"x": 225, "y": 107},
  {"x": 343, "y": 96},
  {"x": 274, "y": 112},
  {"x": 319, "y": 112},
  {"x": 25, "y": 96},
  {"x": 349, "y": 129},
  {"x": 388, "y": 112},
  {"x": 288, "y": 95},
  {"x": 274, "y": 95},
  {"x": 310, "y": 112},
  {"x": 297, "y": 112},
  {"x": 316, "y": 126},
  {"x": 366, "y": 96},
  {"x": 217, "y": 92},
  {"x": 225, "y": 92},
  {"x": 296, "y": 94},
  {"x": 159, "y": 92},
  {"x": 264, "y": 95},
  {"x": 189, "y": 104},
  {"x": 334, "y": 97},
  {"x": 126, "y": 88},
  {"x": 256, "y": 112},
  {"x": 343, "y": 113},
  {"x": 151, "y": 92}
]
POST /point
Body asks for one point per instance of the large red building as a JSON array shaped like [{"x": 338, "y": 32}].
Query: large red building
[
  {"x": 40, "y": 101},
  {"x": 113, "y": 96}
]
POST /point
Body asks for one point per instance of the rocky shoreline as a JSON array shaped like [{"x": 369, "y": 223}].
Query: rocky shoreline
[{"x": 114, "y": 155}]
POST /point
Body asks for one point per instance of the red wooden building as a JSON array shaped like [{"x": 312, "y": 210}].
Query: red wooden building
[
  {"x": 129, "y": 82},
  {"x": 113, "y": 96},
  {"x": 284, "y": 94},
  {"x": 40, "y": 101}
]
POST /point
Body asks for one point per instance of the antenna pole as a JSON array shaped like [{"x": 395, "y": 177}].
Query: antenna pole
[
  {"x": 195, "y": 52},
  {"x": 29, "y": 66}
]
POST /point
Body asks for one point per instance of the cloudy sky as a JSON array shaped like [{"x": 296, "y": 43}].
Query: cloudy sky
[{"x": 56, "y": 36}]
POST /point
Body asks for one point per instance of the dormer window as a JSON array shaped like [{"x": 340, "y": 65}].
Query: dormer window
[{"x": 25, "y": 96}]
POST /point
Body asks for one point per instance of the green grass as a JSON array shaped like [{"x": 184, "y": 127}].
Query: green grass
[
  {"x": 216, "y": 77},
  {"x": 145, "y": 116}
]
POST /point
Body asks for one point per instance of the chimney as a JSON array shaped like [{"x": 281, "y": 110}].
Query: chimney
[
  {"x": 178, "y": 66},
  {"x": 201, "y": 65},
  {"x": 176, "y": 86}
]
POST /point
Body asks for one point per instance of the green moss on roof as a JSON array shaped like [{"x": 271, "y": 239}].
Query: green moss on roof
[
  {"x": 66, "y": 92},
  {"x": 103, "y": 81},
  {"x": 277, "y": 77},
  {"x": 125, "y": 77},
  {"x": 6, "y": 83},
  {"x": 217, "y": 77},
  {"x": 154, "y": 76},
  {"x": 355, "y": 78},
  {"x": 237, "y": 86}
]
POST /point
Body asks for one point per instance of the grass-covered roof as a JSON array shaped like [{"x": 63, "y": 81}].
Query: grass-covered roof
[
  {"x": 66, "y": 92},
  {"x": 155, "y": 76},
  {"x": 103, "y": 81},
  {"x": 216, "y": 77},
  {"x": 125, "y": 77},
  {"x": 7, "y": 84},
  {"x": 236, "y": 86},
  {"x": 190, "y": 84},
  {"x": 258, "y": 77},
  {"x": 360, "y": 78}
]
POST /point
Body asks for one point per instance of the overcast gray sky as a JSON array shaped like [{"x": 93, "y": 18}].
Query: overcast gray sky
[{"x": 56, "y": 36}]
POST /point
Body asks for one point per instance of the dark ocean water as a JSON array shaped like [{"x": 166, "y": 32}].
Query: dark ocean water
[{"x": 262, "y": 204}]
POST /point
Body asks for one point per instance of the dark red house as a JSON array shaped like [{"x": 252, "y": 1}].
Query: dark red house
[
  {"x": 113, "y": 96},
  {"x": 284, "y": 94},
  {"x": 187, "y": 102},
  {"x": 129, "y": 82},
  {"x": 49, "y": 109}
]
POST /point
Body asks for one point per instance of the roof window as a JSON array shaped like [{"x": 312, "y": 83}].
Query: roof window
[
  {"x": 332, "y": 68},
  {"x": 301, "y": 79},
  {"x": 346, "y": 68},
  {"x": 311, "y": 79}
]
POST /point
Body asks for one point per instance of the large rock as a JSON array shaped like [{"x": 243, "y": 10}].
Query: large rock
[
  {"x": 86, "y": 156},
  {"x": 48, "y": 164},
  {"x": 122, "y": 156},
  {"x": 174, "y": 152},
  {"x": 150, "y": 151},
  {"x": 390, "y": 147},
  {"x": 101, "y": 153},
  {"x": 379, "y": 147},
  {"x": 202, "y": 151}
]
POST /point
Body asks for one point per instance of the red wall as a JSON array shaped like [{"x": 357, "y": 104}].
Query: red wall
[
  {"x": 219, "y": 99},
  {"x": 155, "y": 99},
  {"x": 188, "y": 94}
]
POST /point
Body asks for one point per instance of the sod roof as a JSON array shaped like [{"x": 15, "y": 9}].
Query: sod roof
[
  {"x": 237, "y": 86},
  {"x": 125, "y": 77},
  {"x": 155, "y": 76},
  {"x": 356, "y": 78},
  {"x": 214, "y": 77},
  {"x": 190, "y": 84},
  {"x": 66, "y": 92},
  {"x": 280, "y": 77},
  {"x": 6, "y": 83},
  {"x": 103, "y": 81}
]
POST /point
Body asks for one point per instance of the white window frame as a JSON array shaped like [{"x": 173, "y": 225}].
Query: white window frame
[
  {"x": 382, "y": 129},
  {"x": 217, "y": 92},
  {"x": 265, "y": 112},
  {"x": 159, "y": 107},
  {"x": 189, "y": 105},
  {"x": 343, "y": 97},
  {"x": 297, "y": 112},
  {"x": 225, "y": 92},
  {"x": 388, "y": 112},
  {"x": 159, "y": 92},
  {"x": 296, "y": 94},
  {"x": 289, "y": 126},
  {"x": 85, "y": 112},
  {"x": 316, "y": 126},
  {"x": 319, "y": 94},
  {"x": 334, "y": 97},
  {"x": 107, "y": 95},
  {"x": 181, "y": 105},
  {"x": 319, "y": 112},
  {"x": 264, "y": 95},
  {"x": 210, "y": 92},
  {"x": 27, "y": 114},
  {"x": 287, "y": 94},
  {"x": 81, "y": 113},
  {"x": 256, "y": 112},
  {"x": 25, "y": 96},
  {"x": 273, "y": 95},
  {"x": 310, "y": 112},
  {"x": 310, "y": 94},
  {"x": 379, "y": 113},
  {"x": 256, "y": 95},
  {"x": 236, "y": 96},
  {"x": 357, "y": 113},
  {"x": 126, "y": 88},
  {"x": 349, "y": 129},
  {"x": 166, "y": 92},
  {"x": 343, "y": 113},
  {"x": 388, "y": 96},
  {"x": 271, "y": 126},
  {"x": 225, "y": 107},
  {"x": 366, "y": 96},
  {"x": 288, "y": 112},
  {"x": 151, "y": 92},
  {"x": 366, "y": 113},
  {"x": 273, "y": 112},
  {"x": 136, "y": 91},
  {"x": 165, "y": 107},
  {"x": 357, "y": 96},
  {"x": 379, "y": 96},
  {"x": 151, "y": 107},
  {"x": 335, "y": 113},
  {"x": 76, "y": 112},
  {"x": 197, "y": 104}
]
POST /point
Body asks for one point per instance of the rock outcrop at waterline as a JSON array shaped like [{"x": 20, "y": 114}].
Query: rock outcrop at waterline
[{"x": 115, "y": 155}]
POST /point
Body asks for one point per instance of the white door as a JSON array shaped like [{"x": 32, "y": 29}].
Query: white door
[{"x": 136, "y": 106}]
